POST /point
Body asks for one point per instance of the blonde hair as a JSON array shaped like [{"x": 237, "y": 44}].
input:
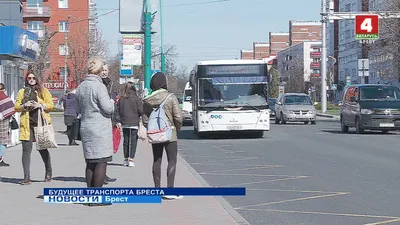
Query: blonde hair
[{"x": 95, "y": 65}]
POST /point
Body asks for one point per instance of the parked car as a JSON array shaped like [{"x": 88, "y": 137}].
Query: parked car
[
  {"x": 370, "y": 107},
  {"x": 271, "y": 104},
  {"x": 295, "y": 107}
]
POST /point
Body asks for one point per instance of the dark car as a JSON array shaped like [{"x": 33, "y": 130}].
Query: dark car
[
  {"x": 370, "y": 107},
  {"x": 271, "y": 104}
]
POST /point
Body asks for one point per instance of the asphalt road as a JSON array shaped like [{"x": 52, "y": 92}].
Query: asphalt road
[{"x": 304, "y": 174}]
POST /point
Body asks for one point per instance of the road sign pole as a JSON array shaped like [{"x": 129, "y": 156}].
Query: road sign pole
[{"x": 147, "y": 46}]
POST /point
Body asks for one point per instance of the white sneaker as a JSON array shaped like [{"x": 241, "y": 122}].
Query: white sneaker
[
  {"x": 131, "y": 163},
  {"x": 173, "y": 197},
  {"x": 126, "y": 162}
]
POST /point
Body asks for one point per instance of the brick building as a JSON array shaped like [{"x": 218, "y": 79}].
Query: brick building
[
  {"x": 302, "y": 31},
  {"x": 70, "y": 20},
  {"x": 278, "y": 42},
  {"x": 261, "y": 50},
  {"x": 246, "y": 54}
]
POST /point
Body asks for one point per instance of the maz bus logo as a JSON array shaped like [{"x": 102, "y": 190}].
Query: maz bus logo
[{"x": 216, "y": 116}]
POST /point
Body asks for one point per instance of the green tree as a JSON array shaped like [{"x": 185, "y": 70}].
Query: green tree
[{"x": 273, "y": 89}]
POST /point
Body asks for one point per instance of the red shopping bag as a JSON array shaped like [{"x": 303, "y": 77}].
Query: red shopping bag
[{"x": 116, "y": 138}]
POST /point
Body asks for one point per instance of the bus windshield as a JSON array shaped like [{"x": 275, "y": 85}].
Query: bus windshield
[{"x": 241, "y": 94}]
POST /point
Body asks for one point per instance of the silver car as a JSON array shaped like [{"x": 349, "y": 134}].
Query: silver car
[{"x": 295, "y": 107}]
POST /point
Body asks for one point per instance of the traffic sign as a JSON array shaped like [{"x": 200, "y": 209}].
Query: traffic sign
[
  {"x": 367, "y": 27},
  {"x": 363, "y": 64}
]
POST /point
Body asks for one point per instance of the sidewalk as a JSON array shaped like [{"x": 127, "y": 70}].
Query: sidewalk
[{"x": 20, "y": 205}]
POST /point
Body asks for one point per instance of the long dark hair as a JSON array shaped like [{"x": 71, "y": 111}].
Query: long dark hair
[
  {"x": 129, "y": 90},
  {"x": 38, "y": 86}
]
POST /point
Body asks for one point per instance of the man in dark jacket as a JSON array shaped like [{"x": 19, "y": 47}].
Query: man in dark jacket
[{"x": 113, "y": 95}]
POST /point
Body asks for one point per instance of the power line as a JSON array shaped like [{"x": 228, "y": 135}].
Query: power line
[
  {"x": 197, "y": 3},
  {"x": 86, "y": 19}
]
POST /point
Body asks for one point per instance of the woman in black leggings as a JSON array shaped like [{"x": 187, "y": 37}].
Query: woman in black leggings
[
  {"x": 158, "y": 85},
  {"x": 96, "y": 108}
]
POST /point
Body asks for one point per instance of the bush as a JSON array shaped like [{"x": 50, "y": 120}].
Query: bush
[{"x": 329, "y": 106}]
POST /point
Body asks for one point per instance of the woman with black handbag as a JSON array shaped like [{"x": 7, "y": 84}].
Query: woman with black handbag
[{"x": 6, "y": 122}]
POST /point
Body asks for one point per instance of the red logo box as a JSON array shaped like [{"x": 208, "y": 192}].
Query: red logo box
[{"x": 367, "y": 27}]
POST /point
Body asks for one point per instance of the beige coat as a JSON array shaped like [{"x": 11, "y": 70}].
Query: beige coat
[{"x": 171, "y": 107}]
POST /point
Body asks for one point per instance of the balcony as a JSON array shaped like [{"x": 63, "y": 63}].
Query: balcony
[
  {"x": 315, "y": 75},
  {"x": 315, "y": 54},
  {"x": 39, "y": 33},
  {"x": 37, "y": 12},
  {"x": 315, "y": 65}
]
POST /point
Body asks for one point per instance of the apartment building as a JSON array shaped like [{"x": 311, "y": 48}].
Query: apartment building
[
  {"x": 302, "y": 59},
  {"x": 278, "y": 42},
  {"x": 246, "y": 54},
  {"x": 261, "y": 50},
  {"x": 68, "y": 20},
  {"x": 301, "y": 31}
]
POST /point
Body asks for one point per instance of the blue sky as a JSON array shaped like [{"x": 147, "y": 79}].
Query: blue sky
[{"x": 215, "y": 30}]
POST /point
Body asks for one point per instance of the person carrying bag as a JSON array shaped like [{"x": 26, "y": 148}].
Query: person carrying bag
[
  {"x": 7, "y": 112},
  {"x": 44, "y": 133},
  {"x": 34, "y": 102}
]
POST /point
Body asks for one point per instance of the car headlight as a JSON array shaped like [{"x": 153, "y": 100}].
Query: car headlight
[
  {"x": 367, "y": 111},
  {"x": 185, "y": 112},
  {"x": 312, "y": 112},
  {"x": 289, "y": 112}
]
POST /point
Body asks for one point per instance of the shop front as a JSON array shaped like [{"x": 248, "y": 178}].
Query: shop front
[{"x": 18, "y": 48}]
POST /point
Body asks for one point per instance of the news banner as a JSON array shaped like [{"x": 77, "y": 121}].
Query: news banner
[{"x": 130, "y": 195}]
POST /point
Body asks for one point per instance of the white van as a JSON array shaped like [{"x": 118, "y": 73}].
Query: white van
[{"x": 187, "y": 104}]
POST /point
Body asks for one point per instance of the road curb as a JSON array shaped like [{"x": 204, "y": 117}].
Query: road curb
[
  {"x": 228, "y": 208},
  {"x": 327, "y": 116}
]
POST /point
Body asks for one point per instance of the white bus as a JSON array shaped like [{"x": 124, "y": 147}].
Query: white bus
[
  {"x": 230, "y": 95},
  {"x": 187, "y": 104}
]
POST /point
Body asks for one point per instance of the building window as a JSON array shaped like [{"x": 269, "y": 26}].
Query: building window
[
  {"x": 34, "y": 3},
  {"x": 63, "y": 26},
  {"x": 35, "y": 25},
  {"x": 63, "y": 50},
  {"x": 62, "y": 72},
  {"x": 63, "y": 4}
]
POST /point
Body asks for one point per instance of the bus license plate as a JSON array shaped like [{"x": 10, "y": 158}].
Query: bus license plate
[
  {"x": 386, "y": 125},
  {"x": 234, "y": 127}
]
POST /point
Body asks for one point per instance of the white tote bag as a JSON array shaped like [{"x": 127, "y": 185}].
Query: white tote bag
[
  {"x": 44, "y": 133},
  {"x": 142, "y": 132}
]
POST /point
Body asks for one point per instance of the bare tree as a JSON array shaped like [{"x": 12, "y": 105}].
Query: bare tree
[
  {"x": 296, "y": 76},
  {"x": 82, "y": 45},
  {"x": 97, "y": 45},
  {"x": 386, "y": 50},
  {"x": 273, "y": 85},
  {"x": 42, "y": 63}
]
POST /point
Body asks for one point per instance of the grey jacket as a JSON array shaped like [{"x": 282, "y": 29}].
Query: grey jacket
[{"x": 96, "y": 109}]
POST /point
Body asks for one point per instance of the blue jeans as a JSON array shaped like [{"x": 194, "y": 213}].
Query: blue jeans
[{"x": 2, "y": 151}]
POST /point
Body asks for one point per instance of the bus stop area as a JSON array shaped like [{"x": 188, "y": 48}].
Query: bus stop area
[{"x": 68, "y": 171}]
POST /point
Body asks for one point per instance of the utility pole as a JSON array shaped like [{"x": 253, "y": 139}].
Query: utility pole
[
  {"x": 66, "y": 50},
  {"x": 162, "y": 39},
  {"x": 324, "y": 21},
  {"x": 147, "y": 45}
]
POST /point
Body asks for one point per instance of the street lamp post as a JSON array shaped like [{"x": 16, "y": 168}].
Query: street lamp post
[{"x": 323, "y": 56}]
